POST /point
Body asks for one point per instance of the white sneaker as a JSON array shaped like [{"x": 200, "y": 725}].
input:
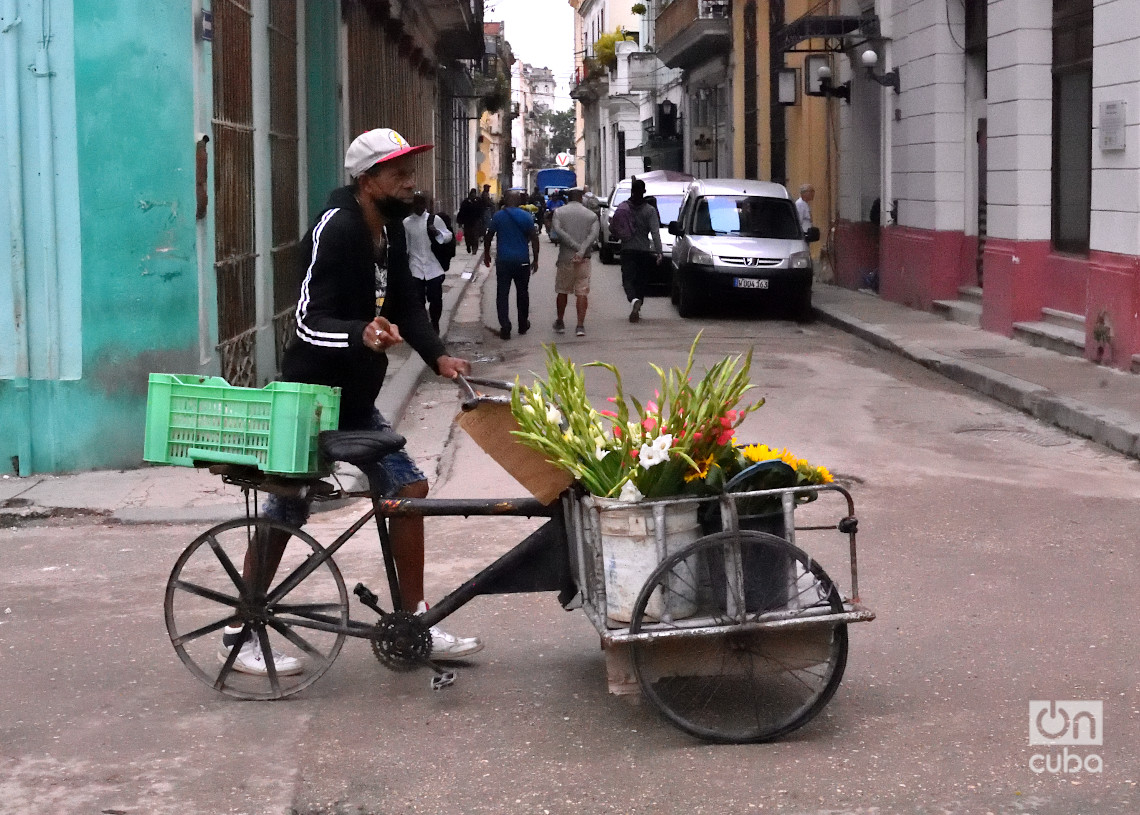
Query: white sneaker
[
  {"x": 445, "y": 646},
  {"x": 250, "y": 660}
]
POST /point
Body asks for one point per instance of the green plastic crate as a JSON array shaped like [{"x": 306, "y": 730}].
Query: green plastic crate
[{"x": 193, "y": 419}]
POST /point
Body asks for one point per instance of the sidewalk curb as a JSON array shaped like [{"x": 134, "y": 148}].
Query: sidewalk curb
[{"x": 1119, "y": 433}]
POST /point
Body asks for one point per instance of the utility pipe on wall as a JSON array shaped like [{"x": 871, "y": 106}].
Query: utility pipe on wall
[
  {"x": 9, "y": 33},
  {"x": 46, "y": 131}
]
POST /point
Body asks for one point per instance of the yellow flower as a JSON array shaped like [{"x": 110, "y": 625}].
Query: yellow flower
[{"x": 693, "y": 475}]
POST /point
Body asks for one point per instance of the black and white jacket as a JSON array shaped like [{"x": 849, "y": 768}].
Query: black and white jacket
[{"x": 343, "y": 281}]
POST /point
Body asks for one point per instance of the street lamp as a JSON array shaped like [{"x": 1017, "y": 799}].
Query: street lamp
[
  {"x": 827, "y": 89},
  {"x": 888, "y": 80}
]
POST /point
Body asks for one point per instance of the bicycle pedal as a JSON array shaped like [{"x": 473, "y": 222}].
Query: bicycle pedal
[{"x": 443, "y": 680}]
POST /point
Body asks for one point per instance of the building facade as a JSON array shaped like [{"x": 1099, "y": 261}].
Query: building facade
[
  {"x": 163, "y": 161},
  {"x": 628, "y": 101},
  {"x": 1007, "y": 167},
  {"x": 495, "y": 151},
  {"x": 533, "y": 93}
]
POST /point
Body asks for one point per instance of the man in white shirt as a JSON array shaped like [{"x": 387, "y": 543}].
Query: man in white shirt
[
  {"x": 803, "y": 206},
  {"x": 423, "y": 228}
]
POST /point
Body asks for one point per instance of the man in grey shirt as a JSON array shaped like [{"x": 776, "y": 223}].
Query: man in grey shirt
[
  {"x": 577, "y": 230},
  {"x": 639, "y": 229}
]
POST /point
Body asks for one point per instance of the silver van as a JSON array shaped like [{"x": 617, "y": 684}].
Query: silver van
[{"x": 736, "y": 238}]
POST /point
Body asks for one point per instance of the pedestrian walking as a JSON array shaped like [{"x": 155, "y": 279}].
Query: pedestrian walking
[
  {"x": 636, "y": 224},
  {"x": 357, "y": 300},
  {"x": 538, "y": 200},
  {"x": 470, "y": 220},
  {"x": 513, "y": 263},
  {"x": 803, "y": 206},
  {"x": 577, "y": 229},
  {"x": 423, "y": 229}
]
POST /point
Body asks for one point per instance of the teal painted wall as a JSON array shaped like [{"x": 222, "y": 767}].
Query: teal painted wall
[
  {"x": 135, "y": 127},
  {"x": 326, "y": 159}
]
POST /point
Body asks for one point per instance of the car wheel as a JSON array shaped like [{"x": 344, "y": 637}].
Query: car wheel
[
  {"x": 799, "y": 306},
  {"x": 687, "y": 297}
]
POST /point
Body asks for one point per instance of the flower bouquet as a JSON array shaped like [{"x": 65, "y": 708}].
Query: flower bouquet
[{"x": 671, "y": 445}]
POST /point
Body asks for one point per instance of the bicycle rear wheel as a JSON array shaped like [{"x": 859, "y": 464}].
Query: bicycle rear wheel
[
  {"x": 206, "y": 592},
  {"x": 737, "y": 684}
]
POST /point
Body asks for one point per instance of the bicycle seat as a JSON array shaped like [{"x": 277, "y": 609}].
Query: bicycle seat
[{"x": 358, "y": 447}]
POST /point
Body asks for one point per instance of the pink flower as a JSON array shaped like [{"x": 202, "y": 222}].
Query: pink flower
[
  {"x": 609, "y": 413},
  {"x": 725, "y": 437},
  {"x": 648, "y": 422},
  {"x": 651, "y": 407}
]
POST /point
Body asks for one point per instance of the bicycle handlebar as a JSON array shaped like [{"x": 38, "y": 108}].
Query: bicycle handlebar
[{"x": 472, "y": 399}]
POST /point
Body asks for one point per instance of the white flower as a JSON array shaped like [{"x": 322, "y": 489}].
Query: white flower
[
  {"x": 600, "y": 453},
  {"x": 630, "y": 493},
  {"x": 553, "y": 415},
  {"x": 663, "y": 443},
  {"x": 649, "y": 455},
  {"x": 528, "y": 409}
]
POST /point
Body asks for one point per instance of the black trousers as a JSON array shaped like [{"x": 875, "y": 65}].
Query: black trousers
[
  {"x": 636, "y": 268},
  {"x": 431, "y": 293},
  {"x": 507, "y": 273}
]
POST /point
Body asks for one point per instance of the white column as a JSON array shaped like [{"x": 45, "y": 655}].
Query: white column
[
  {"x": 1019, "y": 119},
  {"x": 1115, "y": 223}
]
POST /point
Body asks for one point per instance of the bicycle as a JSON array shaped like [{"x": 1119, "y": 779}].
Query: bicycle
[{"x": 735, "y": 636}]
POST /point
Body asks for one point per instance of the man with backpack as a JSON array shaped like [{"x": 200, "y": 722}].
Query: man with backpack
[
  {"x": 515, "y": 228},
  {"x": 428, "y": 239},
  {"x": 636, "y": 224}
]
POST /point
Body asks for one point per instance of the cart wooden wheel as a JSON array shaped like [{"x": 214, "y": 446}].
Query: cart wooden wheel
[
  {"x": 302, "y": 616},
  {"x": 708, "y": 667}
]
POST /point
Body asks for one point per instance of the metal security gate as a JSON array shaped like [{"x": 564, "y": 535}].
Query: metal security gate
[
  {"x": 234, "y": 234},
  {"x": 388, "y": 86},
  {"x": 284, "y": 158}
]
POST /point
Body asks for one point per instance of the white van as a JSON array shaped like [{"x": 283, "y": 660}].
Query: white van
[
  {"x": 668, "y": 195},
  {"x": 735, "y": 238}
]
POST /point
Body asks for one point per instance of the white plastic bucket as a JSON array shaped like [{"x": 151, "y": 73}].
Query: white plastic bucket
[{"x": 631, "y": 551}]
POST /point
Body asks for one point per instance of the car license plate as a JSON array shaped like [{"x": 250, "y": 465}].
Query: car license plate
[{"x": 750, "y": 283}]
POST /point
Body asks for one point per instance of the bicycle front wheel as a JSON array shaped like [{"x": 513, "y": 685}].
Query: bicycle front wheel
[
  {"x": 301, "y": 631},
  {"x": 732, "y": 682}
]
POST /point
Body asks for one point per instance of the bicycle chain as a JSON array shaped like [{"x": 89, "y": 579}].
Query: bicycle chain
[{"x": 401, "y": 642}]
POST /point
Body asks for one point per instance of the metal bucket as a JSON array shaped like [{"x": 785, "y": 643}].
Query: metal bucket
[{"x": 631, "y": 550}]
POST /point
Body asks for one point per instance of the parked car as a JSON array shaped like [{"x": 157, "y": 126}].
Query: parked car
[
  {"x": 668, "y": 188},
  {"x": 737, "y": 238}
]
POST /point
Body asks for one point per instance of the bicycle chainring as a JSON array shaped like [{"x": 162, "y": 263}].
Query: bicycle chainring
[{"x": 401, "y": 642}]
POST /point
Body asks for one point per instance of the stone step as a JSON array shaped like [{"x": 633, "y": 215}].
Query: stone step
[
  {"x": 959, "y": 311},
  {"x": 1063, "y": 319},
  {"x": 970, "y": 294},
  {"x": 1136, "y": 363},
  {"x": 1069, "y": 341}
]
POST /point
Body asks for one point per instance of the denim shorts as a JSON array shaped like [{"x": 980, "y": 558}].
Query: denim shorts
[{"x": 398, "y": 467}]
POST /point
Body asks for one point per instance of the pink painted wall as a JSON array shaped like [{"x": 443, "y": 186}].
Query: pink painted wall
[
  {"x": 856, "y": 251},
  {"x": 1064, "y": 280},
  {"x": 1114, "y": 290},
  {"x": 920, "y": 266}
]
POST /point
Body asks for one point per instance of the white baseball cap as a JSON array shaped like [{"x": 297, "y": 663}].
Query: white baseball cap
[{"x": 382, "y": 144}]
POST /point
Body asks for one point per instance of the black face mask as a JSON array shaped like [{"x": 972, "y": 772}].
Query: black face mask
[{"x": 393, "y": 209}]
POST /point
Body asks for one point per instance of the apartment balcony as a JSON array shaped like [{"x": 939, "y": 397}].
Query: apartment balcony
[{"x": 690, "y": 32}]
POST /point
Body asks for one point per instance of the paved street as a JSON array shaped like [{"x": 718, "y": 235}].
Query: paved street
[{"x": 996, "y": 550}]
